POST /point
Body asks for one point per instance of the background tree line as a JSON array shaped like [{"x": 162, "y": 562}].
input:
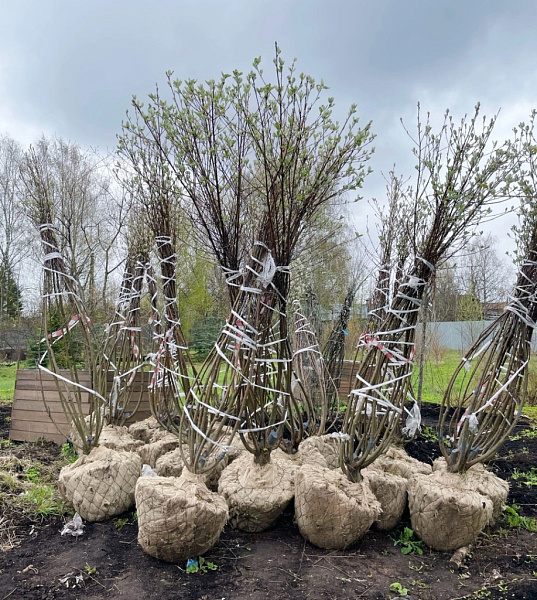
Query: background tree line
[{"x": 95, "y": 206}]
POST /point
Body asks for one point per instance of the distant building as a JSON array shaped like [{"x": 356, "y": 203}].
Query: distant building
[
  {"x": 14, "y": 343},
  {"x": 492, "y": 310}
]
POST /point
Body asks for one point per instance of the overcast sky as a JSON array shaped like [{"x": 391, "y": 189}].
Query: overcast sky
[{"x": 70, "y": 68}]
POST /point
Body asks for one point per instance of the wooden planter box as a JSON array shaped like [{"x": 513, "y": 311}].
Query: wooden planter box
[
  {"x": 37, "y": 411},
  {"x": 348, "y": 378}
]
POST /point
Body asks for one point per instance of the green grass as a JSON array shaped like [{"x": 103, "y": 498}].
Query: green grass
[
  {"x": 436, "y": 376},
  {"x": 528, "y": 478},
  {"x": 531, "y": 413},
  {"x": 69, "y": 454},
  {"x": 28, "y": 489},
  {"x": 7, "y": 382},
  {"x": 438, "y": 373},
  {"x": 516, "y": 521},
  {"x": 41, "y": 500}
]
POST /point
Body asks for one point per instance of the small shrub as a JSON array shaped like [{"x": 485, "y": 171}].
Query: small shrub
[
  {"x": 69, "y": 453},
  {"x": 120, "y": 523},
  {"x": 430, "y": 433},
  {"x": 528, "y": 478},
  {"x": 200, "y": 565},
  {"x": 397, "y": 587},
  {"x": 517, "y": 521},
  {"x": 409, "y": 545}
]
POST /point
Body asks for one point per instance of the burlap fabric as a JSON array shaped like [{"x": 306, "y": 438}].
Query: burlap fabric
[
  {"x": 327, "y": 445},
  {"x": 159, "y": 434},
  {"x": 151, "y": 452},
  {"x": 143, "y": 430},
  {"x": 398, "y": 462},
  {"x": 101, "y": 484},
  {"x": 331, "y": 512},
  {"x": 303, "y": 456},
  {"x": 390, "y": 491},
  {"x": 171, "y": 465},
  {"x": 256, "y": 495},
  {"x": 118, "y": 438},
  {"x": 178, "y": 518},
  {"x": 444, "y": 513},
  {"x": 484, "y": 482}
]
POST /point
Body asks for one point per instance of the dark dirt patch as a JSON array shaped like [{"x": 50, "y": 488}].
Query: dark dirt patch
[
  {"x": 5, "y": 416},
  {"x": 276, "y": 564}
]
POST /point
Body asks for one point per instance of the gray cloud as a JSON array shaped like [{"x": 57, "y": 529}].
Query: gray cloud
[{"x": 70, "y": 68}]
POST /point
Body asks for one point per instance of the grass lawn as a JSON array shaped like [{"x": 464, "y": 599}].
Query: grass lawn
[
  {"x": 436, "y": 376},
  {"x": 7, "y": 382},
  {"x": 438, "y": 373}
]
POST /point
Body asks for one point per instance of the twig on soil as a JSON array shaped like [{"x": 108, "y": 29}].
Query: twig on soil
[
  {"x": 489, "y": 587},
  {"x": 337, "y": 568},
  {"x": 84, "y": 572},
  {"x": 8, "y": 537},
  {"x": 228, "y": 549},
  {"x": 331, "y": 555},
  {"x": 302, "y": 557},
  {"x": 289, "y": 572},
  {"x": 234, "y": 557},
  {"x": 8, "y": 595},
  {"x": 458, "y": 556}
]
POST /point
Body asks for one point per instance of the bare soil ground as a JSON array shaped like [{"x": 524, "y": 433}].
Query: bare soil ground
[{"x": 107, "y": 562}]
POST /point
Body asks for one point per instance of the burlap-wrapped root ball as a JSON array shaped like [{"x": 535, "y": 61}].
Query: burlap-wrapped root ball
[
  {"x": 111, "y": 436},
  {"x": 484, "y": 482},
  {"x": 390, "y": 491},
  {"x": 444, "y": 513},
  {"x": 398, "y": 462},
  {"x": 161, "y": 443},
  {"x": 256, "y": 495},
  {"x": 101, "y": 484},
  {"x": 171, "y": 465},
  {"x": 331, "y": 512},
  {"x": 118, "y": 438},
  {"x": 304, "y": 456},
  {"x": 178, "y": 518},
  {"x": 144, "y": 430},
  {"x": 328, "y": 445}
]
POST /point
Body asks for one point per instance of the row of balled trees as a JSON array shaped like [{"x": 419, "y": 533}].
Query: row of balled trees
[
  {"x": 254, "y": 163},
  {"x": 179, "y": 516}
]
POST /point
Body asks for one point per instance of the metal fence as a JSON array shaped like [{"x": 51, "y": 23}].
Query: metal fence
[{"x": 459, "y": 335}]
